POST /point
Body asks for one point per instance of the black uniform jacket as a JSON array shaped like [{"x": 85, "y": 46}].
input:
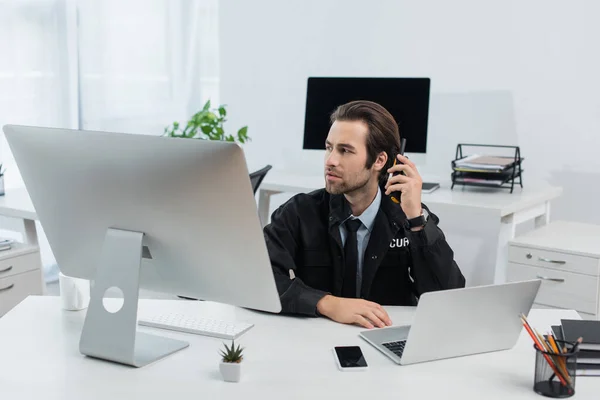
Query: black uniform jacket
[{"x": 399, "y": 264}]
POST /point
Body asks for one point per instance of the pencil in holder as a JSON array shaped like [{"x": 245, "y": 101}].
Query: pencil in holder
[{"x": 555, "y": 372}]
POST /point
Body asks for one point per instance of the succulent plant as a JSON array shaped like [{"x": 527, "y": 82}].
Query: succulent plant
[{"x": 232, "y": 354}]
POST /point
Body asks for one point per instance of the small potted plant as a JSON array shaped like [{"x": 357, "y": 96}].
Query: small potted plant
[{"x": 231, "y": 363}]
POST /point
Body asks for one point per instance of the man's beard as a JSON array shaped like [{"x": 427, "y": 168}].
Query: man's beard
[{"x": 344, "y": 187}]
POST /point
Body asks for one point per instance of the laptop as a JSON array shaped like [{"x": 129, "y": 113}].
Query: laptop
[{"x": 458, "y": 322}]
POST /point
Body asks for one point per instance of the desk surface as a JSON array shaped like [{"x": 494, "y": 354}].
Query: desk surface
[
  {"x": 479, "y": 197},
  {"x": 565, "y": 237},
  {"x": 17, "y": 204},
  {"x": 286, "y": 358}
]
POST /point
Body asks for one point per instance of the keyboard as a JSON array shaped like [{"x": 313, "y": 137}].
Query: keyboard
[
  {"x": 199, "y": 326},
  {"x": 395, "y": 347}
]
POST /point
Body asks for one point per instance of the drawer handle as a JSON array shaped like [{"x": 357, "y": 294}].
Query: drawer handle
[
  {"x": 6, "y": 269},
  {"x": 7, "y": 288},
  {"x": 551, "y": 261},
  {"x": 551, "y": 279}
]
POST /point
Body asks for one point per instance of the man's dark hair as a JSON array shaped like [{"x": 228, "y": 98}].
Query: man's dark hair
[{"x": 383, "y": 130}]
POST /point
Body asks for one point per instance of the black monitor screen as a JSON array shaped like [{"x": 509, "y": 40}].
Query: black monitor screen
[{"x": 407, "y": 99}]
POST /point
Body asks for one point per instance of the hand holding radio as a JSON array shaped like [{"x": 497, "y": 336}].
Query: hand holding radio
[{"x": 404, "y": 179}]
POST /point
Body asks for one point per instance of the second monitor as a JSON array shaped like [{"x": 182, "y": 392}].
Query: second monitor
[{"x": 407, "y": 99}]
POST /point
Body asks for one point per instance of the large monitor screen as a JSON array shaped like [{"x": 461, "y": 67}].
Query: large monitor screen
[{"x": 407, "y": 99}]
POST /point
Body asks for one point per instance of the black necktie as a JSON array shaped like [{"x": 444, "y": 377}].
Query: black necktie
[{"x": 351, "y": 259}]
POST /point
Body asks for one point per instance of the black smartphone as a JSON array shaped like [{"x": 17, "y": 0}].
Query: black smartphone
[
  {"x": 395, "y": 198},
  {"x": 350, "y": 358}
]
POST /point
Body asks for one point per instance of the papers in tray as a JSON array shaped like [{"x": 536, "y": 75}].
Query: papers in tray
[
  {"x": 476, "y": 163},
  {"x": 491, "y": 182}
]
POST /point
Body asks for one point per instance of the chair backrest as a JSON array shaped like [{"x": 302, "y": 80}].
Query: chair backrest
[{"x": 257, "y": 177}]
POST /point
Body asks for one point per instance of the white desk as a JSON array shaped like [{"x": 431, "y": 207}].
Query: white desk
[
  {"x": 286, "y": 358},
  {"x": 17, "y": 204},
  {"x": 488, "y": 216},
  {"x": 566, "y": 256},
  {"x": 27, "y": 275}
]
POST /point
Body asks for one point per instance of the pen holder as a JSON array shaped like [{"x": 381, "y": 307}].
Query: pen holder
[{"x": 555, "y": 373}]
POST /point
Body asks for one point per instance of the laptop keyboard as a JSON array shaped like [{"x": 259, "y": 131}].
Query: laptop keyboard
[{"x": 395, "y": 347}]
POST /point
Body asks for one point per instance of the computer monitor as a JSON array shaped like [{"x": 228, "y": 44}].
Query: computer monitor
[
  {"x": 407, "y": 99},
  {"x": 138, "y": 211}
]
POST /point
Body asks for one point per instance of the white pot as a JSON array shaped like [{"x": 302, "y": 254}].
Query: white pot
[{"x": 231, "y": 372}]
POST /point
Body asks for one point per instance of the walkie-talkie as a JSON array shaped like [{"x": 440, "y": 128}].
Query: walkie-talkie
[{"x": 402, "y": 147}]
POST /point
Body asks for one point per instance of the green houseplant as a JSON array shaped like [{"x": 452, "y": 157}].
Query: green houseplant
[
  {"x": 207, "y": 124},
  {"x": 231, "y": 362}
]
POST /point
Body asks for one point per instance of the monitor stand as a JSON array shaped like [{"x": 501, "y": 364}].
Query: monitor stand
[{"x": 113, "y": 336}]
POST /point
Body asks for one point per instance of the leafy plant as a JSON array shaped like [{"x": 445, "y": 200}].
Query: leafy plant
[
  {"x": 232, "y": 354},
  {"x": 207, "y": 124}
]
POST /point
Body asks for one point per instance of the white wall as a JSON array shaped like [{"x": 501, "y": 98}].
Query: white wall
[{"x": 515, "y": 72}]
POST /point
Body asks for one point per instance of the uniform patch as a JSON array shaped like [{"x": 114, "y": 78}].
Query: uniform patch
[{"x": 402, "y": 242}]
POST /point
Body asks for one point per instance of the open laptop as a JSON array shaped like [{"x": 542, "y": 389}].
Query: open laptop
[{"x": 458, "y": 322}]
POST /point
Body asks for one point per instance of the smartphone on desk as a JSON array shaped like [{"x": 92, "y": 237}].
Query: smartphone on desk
[
  {"x": 350, "y": 358},
  {"x": 394, "y": 195}
]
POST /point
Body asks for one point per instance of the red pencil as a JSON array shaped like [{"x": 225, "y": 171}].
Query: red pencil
[{"x": 543, "y": 348}]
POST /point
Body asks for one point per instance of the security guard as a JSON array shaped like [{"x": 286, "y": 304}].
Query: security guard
[{"x": 343, "y": 251}]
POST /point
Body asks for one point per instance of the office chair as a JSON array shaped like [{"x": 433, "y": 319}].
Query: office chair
[{"x": 257, "y": 177}]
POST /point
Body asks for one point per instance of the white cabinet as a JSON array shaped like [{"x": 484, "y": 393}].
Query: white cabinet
[
  {"x": 20, "y": 275},
  {"x": 566, "y": 257}
]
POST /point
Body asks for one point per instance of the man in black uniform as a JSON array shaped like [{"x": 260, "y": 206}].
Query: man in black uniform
[{"x": 343, "y": 251}]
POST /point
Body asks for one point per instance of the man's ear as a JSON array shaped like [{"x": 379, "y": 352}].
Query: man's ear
[{"x": 380, "y": 161}]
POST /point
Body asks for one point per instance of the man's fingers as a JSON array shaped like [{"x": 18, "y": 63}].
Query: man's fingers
[
  {"x": 398, "y": 179},
  {"x": 408, "y": 166},
  {"x": 409, "y": 169},
  {"x": 362, "y": 321},
  {"x": 374, "y": 318},
  {"x": 399, "y": 168},
  {"x": 383, "y": 316},
  {"x": 378, "y": 312},
  {"x": 400, "y": 187},
  {"x": 406, "y": 160},
  {"x": 372, "y": 304}
]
